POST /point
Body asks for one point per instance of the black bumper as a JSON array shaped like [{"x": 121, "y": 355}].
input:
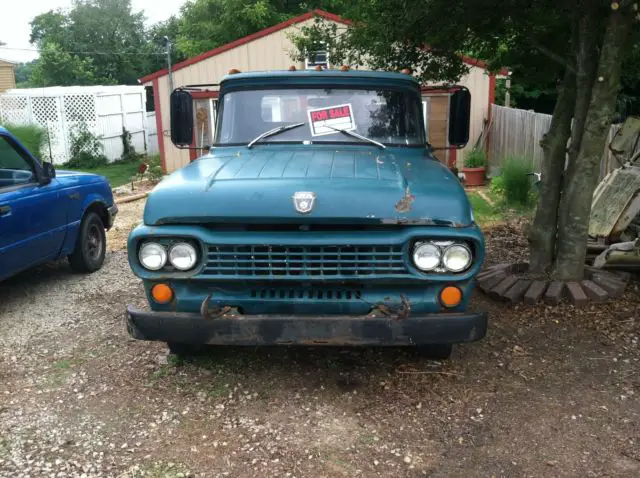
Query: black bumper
[{"x": 191, "y": 328}]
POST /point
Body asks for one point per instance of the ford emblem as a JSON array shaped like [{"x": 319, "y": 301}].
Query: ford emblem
[{"x": 303, "y": 201}]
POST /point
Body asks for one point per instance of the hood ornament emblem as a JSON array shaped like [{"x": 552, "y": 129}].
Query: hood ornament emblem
[{"x": 303, "y": 201}]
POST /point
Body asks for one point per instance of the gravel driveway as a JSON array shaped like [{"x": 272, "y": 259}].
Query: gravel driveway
[{"x": 550, "y": 392}]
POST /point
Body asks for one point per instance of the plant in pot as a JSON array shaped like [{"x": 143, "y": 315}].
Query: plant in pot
[{"x": 474, "y": 168}]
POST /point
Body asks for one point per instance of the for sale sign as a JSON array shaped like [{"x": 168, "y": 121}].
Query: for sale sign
[{"x": 324, "y": 120}]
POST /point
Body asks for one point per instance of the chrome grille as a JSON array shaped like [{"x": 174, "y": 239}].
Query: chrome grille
[{"x": 300, "y": 261}]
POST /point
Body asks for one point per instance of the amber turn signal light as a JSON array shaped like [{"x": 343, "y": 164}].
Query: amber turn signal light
[
  {"x": 451, "y": 296},
  {"x": 162, "y": 293}
]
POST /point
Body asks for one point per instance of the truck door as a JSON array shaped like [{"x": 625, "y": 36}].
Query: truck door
[{"x": 32, "y": 223}]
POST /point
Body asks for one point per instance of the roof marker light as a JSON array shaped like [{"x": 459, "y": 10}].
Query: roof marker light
[{"x": 233, "y": 71}]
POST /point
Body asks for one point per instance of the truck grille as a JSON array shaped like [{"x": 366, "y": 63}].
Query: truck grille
[{"x": 310, "y": 261}]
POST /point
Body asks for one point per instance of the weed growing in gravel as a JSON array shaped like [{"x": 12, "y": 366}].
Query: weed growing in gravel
[{"x": 163, "y": 371}]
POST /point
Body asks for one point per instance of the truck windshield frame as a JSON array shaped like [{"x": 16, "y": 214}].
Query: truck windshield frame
[{"x": 386, "y": 114}]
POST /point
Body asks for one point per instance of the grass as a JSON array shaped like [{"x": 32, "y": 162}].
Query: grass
[
  {"x": 484, "y": 212},
  {"x": 117, "y": 174}
]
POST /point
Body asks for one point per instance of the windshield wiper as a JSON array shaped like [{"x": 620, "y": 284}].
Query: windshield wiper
[
  {"x": 356, "y": 135},
  {"x": 273, "y": 132}
]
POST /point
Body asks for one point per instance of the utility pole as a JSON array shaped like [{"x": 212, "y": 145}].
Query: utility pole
[{"x": 168, "y": 45}]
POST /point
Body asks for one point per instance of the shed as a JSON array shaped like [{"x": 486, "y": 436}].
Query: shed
[
  {"x": 7, "y": 75},
  {"x": 270, "y": 49}
]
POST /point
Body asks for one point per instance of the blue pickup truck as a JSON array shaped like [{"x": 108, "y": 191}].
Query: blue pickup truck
[
  {"x": 319, "y": 217},
  {"x": 47, "y": 214}
]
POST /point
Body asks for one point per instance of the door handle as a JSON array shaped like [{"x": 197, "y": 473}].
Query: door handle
[{"x": 5, "y": 210}]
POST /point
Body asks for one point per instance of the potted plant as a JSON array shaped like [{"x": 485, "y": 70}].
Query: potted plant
[{"x": 474, "y": 168}]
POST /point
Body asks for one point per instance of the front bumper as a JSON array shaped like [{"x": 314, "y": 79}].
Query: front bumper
[
  {"x": 111, "y": 215},
  {"x": 192, "y": 328}
]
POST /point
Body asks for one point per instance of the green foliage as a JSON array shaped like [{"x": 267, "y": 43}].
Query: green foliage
[
  {"x": 129, "y": 154},
  {"x": 154, "y": 171},
  {"x": 58, "y": 67},
  {"x": 206, "y": 24},
  {"x": 516, "y": 184},
  {"x": 117, "y": 173},
  {"x": 86, "y": 149},
  {"x": 32, "y": 136},
  {"x": 475, "y": 159},
  {"x": 95, "y": 42},
  {"x": 496, "y": 187}
]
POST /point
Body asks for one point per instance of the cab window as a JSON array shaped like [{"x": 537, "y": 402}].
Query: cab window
[{"x": 14, "y": 169}]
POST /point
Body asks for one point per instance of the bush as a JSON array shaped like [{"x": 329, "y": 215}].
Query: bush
[
  {"x": 496, "y": 188},
  {"x": 32, "y": 136},
  {"x": 86, "y": 149},
  {"x": 475, "y": 159},
  {"x": 154, "y": 171},
  {"x": 515, "y": 180},
  {"x": 129, "y": 154}
]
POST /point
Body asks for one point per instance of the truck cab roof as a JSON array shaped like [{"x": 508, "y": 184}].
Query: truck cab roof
[{"x": 319, "y": 78}]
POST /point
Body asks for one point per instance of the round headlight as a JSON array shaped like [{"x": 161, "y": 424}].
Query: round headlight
[
  {"x": 153, "y": 256},
  {"x": 457, "y": 258},
  {"x": 183, "y": 256},
  {"x": 426, "y": 257}
]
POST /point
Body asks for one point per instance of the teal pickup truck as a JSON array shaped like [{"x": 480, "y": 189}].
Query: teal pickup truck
[{"x": 319, "y": 217}]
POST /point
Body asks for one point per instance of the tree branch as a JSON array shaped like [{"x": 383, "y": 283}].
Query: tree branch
[{"x": 555, "y": 57}]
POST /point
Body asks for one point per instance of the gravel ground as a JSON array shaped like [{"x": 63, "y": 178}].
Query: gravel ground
[{"x": 549, "y": 392}]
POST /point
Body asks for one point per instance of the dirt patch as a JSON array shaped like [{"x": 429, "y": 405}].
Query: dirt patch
[
  {"x": 129, "y": 216},
  {"x": 551, "y": 391}
]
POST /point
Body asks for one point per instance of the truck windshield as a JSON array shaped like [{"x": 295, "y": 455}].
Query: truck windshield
[{"x": 390, "y": 117}]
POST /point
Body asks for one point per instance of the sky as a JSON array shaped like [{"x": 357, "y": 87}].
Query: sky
[{"x": 15, "y": 28}]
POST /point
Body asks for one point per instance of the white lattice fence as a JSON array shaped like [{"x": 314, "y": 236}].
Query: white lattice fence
[{"x": 101, "y": 110}]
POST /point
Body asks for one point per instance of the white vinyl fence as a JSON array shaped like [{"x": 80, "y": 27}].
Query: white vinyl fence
[
  {"x": 515, "y": 132},
  {"x": 105, "y": 110}
]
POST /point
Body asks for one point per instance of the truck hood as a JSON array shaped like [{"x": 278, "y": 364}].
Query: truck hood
[{"x": 351, "y": 184}]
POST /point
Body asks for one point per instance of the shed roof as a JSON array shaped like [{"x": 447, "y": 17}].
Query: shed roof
[{"x": 275, "y": 28}]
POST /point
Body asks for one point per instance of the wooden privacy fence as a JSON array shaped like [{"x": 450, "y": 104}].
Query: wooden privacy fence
[{"x": 515, "y": 132}]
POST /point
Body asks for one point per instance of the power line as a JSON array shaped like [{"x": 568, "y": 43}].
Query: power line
[{"x": 89, "y": 52}]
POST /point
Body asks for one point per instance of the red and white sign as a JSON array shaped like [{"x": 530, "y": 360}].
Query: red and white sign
[{"x": 322, "y": 120}]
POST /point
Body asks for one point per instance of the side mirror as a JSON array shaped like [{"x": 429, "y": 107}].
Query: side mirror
[
  {"x": 48, "y": 173},
  {"x": 459, "y": 118},
  {"x": 181, "y": 111}
]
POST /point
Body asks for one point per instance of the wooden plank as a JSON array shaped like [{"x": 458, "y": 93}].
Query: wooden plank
[
  {"x": 517, "y": 291},
  {"x": 487, "y": 283},
  {"x": 576, "y": 294},
  {"x": 499, "y": 289},
  {"x": 535, "y": 292},
  {"x": 594, "y": 291},
  {"x": 554, "y": 292},
  {"x": 614, "y": 287},
  {"x": 491, "y": 272},
  {"x": 519, "y": 267}
]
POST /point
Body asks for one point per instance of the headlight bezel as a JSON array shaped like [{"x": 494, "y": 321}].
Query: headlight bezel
[
  {"x": 443, "y": 246},
  {"x": 161, "y": 248},
  {"x": 167, "y": 243}
]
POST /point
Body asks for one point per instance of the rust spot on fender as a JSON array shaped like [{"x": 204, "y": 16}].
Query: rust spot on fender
[{"x": 404, "y": 205}]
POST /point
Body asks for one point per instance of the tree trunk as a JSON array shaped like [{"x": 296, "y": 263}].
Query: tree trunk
[
  {"x": 572, "y": 237},
  {"x": 587, "y": 39},
  {"x": 554, "y": 143}
]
